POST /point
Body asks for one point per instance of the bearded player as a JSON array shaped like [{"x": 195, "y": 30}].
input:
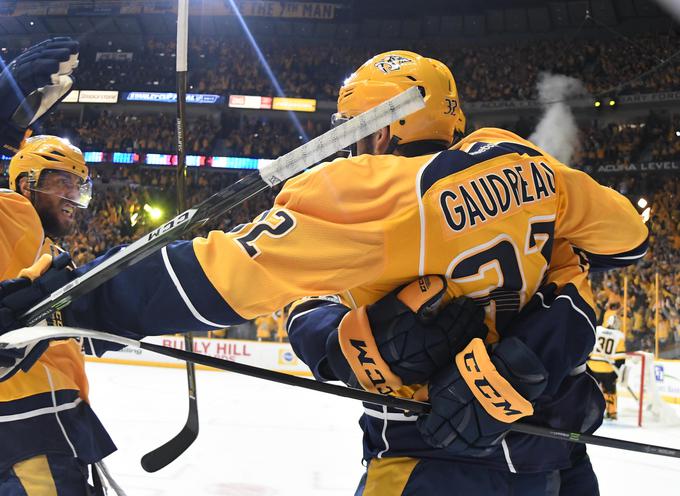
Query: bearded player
[
  {"x": 492, "y": 218},
  {"x": 49, "y": 432}
]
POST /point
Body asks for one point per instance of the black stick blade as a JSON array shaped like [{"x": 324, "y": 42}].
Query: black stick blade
[{"x": 162, "y": 456}]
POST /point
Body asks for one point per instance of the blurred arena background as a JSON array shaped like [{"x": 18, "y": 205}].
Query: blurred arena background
[{"x": 626, "y": 113}]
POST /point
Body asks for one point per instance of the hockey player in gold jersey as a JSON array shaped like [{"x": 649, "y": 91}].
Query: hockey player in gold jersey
[
  {"x": 399, "y": 463},
  {"x": 492, "y": 217},
  {"x": 49, "y": 432}
]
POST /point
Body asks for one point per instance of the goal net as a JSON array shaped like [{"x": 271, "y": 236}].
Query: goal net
[{"x": 639, "y": 396}]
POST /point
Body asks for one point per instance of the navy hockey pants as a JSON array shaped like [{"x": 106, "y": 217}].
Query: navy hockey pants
[
  {"x": 46, "y": 475},
  {"x": 421, "y": 477}
]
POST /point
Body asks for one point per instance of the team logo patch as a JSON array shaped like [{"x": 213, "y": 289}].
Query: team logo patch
[{"x": 392, "y": 63}]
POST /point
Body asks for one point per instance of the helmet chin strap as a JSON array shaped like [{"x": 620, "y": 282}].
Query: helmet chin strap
[
  {"x": 457, "y": 136},
  {"x": 394, "y": 142}
]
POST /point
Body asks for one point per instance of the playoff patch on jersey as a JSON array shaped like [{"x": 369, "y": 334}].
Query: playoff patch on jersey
[{"x": 392, "y": 63}]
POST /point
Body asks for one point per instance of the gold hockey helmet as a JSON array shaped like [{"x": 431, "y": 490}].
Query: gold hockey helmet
[
  {"x": 391, "y": 73},
  {"x": 43, "y": 156}
]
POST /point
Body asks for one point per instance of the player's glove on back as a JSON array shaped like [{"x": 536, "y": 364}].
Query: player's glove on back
[
  {"x": 403, "y": 338},
  {"x": 476, "y": 399},
  {"x": 19, "y": 295},
  {"x": 32, "y": 84}
]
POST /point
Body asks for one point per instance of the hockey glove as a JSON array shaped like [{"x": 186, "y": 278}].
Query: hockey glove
[
  {"x": 403, "y": 338},
  {"x": 32, "y": 84},
  {"x": 475, "y": 400},
  {"x": 19, "y": 295}
]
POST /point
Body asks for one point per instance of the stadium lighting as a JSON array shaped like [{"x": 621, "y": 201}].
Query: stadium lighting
[
  {"x": 265, "y": 66},
  {"x": 154, "y": 212},
  {"x": 642, "y": 203},
  {"x": 646, "y": 214},
  {"x": 597, "y": 103}
]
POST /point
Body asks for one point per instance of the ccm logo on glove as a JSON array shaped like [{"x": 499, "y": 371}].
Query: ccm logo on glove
[
  {"x": 405, "y": 337},
  {"x": 418, "y": 300},
  {"x": 491, "y": 390},
  {"x": 363, "y": 355}
]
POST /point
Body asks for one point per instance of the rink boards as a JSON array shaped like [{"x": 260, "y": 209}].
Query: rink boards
[
  {"x": 667, "y": 375},
  {"x": 265, "y": 354},
  {"x": 280, "y": 357}
]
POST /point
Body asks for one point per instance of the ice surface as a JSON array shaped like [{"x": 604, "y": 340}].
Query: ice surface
[{"x": 264, "y": 439}]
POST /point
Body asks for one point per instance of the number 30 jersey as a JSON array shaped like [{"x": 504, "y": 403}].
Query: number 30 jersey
[
  {"x": 495, "y": 214},
  {"x": 610, "y": 348}
]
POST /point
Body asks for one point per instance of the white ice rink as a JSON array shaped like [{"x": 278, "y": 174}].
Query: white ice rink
[{"x": 264, "y": 439}]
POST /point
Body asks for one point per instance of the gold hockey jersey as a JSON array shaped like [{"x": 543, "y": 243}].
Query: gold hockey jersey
[
  {"x": 490, "y": 214},
  {"x": 45, "y": 408}
]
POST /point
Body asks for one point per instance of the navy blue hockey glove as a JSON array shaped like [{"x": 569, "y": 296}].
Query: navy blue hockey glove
[
  {"x": 19, "y": 295},
  {"x": 403, "y": 338},
  {"x": 32, "y": 84},
  {"x": 476, "y": 399}
]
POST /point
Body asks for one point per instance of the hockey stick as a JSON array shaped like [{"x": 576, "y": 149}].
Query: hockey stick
[
  {"x": 168, "y": 452},
  {"x": 271, "y": 174},
  {"x": 31, "y": 335}
]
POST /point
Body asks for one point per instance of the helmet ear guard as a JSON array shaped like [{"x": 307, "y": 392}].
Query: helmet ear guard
[
  {"x": 351, "y": 150},
  {"x": 337, "y": 119}
]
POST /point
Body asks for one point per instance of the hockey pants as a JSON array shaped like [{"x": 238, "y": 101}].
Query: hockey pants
[
  {"x": 47, "y": 475},
  {"x": 402, "y": 476}
]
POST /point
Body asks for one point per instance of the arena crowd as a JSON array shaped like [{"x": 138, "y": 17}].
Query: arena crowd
[
  {"x": 128, "y": 198},
  {"x": 224, "y": 66}
]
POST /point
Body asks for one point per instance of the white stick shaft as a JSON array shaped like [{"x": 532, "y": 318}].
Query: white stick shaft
[
  {"x": 273, "y": 173},
  {"x": 342, "y": 136},
  {"x": 182, "y": 34},
  {"x": 181, "y": 219},
  {"x": 31, "y": 335}
]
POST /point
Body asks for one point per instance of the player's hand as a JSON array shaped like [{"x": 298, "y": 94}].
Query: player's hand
[
  {"x": 33, "y": 285},
  {"x": 19, "y": 295},
  {"x": 476, "y": 399},
  {"x": 405, "y": 337},
  {"x": 32, "y": 84}
]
